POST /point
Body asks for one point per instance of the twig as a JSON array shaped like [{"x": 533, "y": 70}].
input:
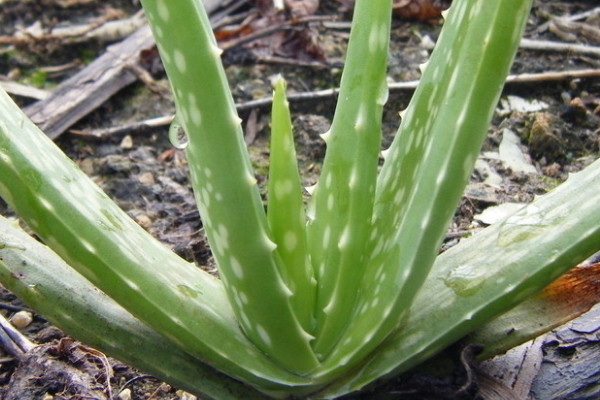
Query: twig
[
  {"x": 575, "y": 17},
  {"x": 318, "y": 94},
  {"x": 219, "y": 17},
  {"x": 12, "y": 340},
  {"x": 129, "y": 128},
  {"x": 329, "y": 93},
  {"x": 19, "y": 89},
  {"x": 553, "y": 76},
  {"x": 292, "y": 61},
  {"x": 106, "y": 29},
  {"x": 10, "y": 307},
  {"x": 224, "y": 19},
  {"x": 412, "y": 85},
  {"x": 285, "y": 25},
  {"x": 548, "y": 45},
  {"x": 59, "y": 70}
]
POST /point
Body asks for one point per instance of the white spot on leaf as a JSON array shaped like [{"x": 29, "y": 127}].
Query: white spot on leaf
[
  {"x": 264, "y": 335},
  {"x": 236, "y": 268},
  {"x": 163, "y": 11},
  {"x": 290, "y": 240},
  {"x": 180, "y": 62}
]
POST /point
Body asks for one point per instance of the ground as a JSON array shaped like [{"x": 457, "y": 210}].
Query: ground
[{"x": 148, "y": 177}]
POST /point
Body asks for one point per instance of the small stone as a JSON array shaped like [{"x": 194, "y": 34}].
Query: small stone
[
  {"x": 427, "y": 42},
  {"x": 185, "y": 395},
  {"x": 21, "y": 319},
  {"x": 125, "y": 394},
  {"x": 143, "y": 220},
  {"x": 126, "y": 143},
  {"x": 87, "y": 166},
  {"x": 147, "y": 178}
]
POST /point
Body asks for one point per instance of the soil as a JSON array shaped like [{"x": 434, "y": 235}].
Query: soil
[{"x": 148, "y": 178}]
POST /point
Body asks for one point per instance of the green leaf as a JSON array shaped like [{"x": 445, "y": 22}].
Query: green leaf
[
  {"x": 342, "y": 204},
  {"x": 42, "y": 280},
  {"x": 96, "y": 238},
  {"x": 490, "y": 273},
  {"x": 224, "y": 184},
  {"x": 429, "y": 163},
  {"x": 371, "y": 240},
  {"x": 285, "y": 211}
]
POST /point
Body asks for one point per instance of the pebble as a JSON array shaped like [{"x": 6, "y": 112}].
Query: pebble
[
  {"x": 21, "y": 319},
  {"x": 147, "y": 178},
  {"x": 185, "y": 395},
  {"x": 125, "y": 394},
  {"x": 126, "y": 143},
  {"x": 143, "y": 220}
]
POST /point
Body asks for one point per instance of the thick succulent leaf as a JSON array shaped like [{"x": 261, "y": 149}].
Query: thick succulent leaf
[
  {"x": 285, "y": 211},
  {"x": 44, "y": 282},
  {"x": 342, "y": 204},
  {"x": 429, "y": 163},
  {"x": 225, "y": 187},
  {"x": 489, "y": 273},
  {"x": 93, "y": 235}
]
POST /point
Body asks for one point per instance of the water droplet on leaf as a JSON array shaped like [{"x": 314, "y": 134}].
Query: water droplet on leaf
[
  {"x": 177, "y": 135},
  {"x": 188, "y": 291},
  {"x": 526, "y": 225},
  {"x": 466, "y": 280}
]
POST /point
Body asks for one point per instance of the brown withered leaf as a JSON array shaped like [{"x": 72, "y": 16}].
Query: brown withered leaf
[
  {"x": 579, "y": 288},
  {"x": 294, "y": 40},
  {"x": 420, "y": 10}
]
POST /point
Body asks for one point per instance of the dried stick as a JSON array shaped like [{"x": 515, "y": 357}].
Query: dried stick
[
  {"x": 547, "y": 45},
  {"x": 408, "y": 86}
]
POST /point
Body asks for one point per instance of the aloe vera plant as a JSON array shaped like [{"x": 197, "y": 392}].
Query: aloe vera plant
[{"x": 311, "y": 302}]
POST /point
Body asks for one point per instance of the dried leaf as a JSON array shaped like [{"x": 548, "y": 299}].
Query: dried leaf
[
  {"x": 577, "y": 289},
  {"x": 420, "y": 10},
  {"x": 281, "y": 41}
]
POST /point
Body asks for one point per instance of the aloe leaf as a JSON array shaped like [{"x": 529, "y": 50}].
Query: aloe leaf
[
  {"x": 224, "y": 184},
  {"x": 342, "y": 203},
  {"x": 285, "y": 211},
  {"x": 95, "y": 237},
  {"x": 429, "y": 163},
  {"x": 489, "y": 273},
  {"x": 44, "y": 282}
]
